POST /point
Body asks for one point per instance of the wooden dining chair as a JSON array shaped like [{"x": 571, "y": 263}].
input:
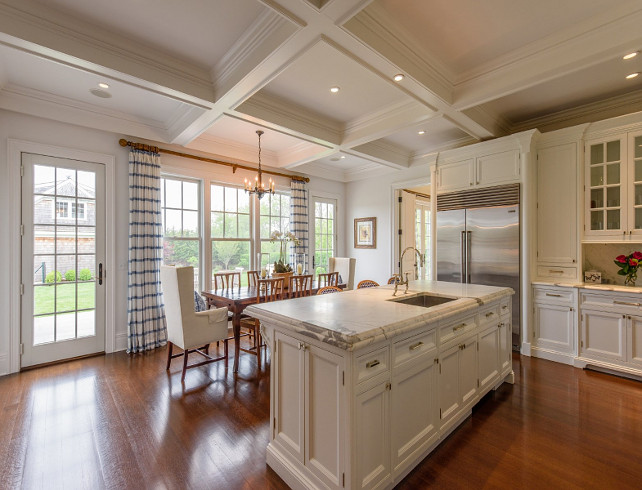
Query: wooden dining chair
[
  {"x": 253, "y": 277},
  {"x": 226, "y": 280},
  {"x": 328, "y": 279},
  {"x": 300, "y": 286},
  {"x": 267, "y": 290},
  {"x": 367, "y": 283},
  {"x": 329, "y": 289},
  {"x": 394, "y": 279}
]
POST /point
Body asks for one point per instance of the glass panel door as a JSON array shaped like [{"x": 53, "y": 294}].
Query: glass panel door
[
  {"x": 422, "y": 235},
  {"x": 63, "y": 258},
  {"x": 636, "y": 182},
  {"x": 324, "y": 235}
]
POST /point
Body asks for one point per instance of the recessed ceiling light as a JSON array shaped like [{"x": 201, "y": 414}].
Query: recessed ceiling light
[
  {"x": 334, "y": 90},
  {"x": 421, "y": 132},
  {"x": 103, "y": 85},
  {"x": 632, "y": 75},
  {"x": 343, "y": 157},
  {"x": 398, "y": 77},
  {"x": 103, "y": 94},
  {"x": 630, "y": 55}
]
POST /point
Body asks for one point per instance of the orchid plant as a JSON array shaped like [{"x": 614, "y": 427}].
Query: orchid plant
[
  {"x": 628, "y": 265},
  {"x": 284, "y": 239}
]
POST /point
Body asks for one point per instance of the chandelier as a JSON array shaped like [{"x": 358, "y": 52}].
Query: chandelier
[{"x": 259, "y": 188}]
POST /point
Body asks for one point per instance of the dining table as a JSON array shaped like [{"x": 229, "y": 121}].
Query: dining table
[{"x": 236, "y": 299}]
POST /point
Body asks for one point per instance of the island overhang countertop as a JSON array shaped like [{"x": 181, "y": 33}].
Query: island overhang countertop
[{"x": 354, "y": 319}]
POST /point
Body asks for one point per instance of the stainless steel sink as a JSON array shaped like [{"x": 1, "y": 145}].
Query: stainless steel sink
[{"x": 425, "y": 300}]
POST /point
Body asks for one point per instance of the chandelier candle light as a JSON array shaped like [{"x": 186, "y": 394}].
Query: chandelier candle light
[{"x": 259, "y": 186}]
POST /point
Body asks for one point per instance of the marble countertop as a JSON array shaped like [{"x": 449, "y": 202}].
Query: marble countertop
[
  {"x": 353, "y": 319},
  {"x": 588, "y": 285}
]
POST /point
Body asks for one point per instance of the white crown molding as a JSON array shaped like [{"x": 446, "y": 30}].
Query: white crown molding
[
  {"x": 614, "y": 126},
  {"x": 375, "y": 32},
  {"x": 427, "y": 156},
  {"x": 518, "y": 141},
  {"x": 285, "y": 13},
  {"x": 279, "y": 111},
  {"x": 574, "y": 134},
  {"x": 560, "y": 57},
  {"x": 182, "y": 120},
  {"x": 63, "y": 109},
  {"x": 263, "y": 37},
  {"x": 592, "y": 112},
  {"x": 46, "y": 32},
  {"x": 487, "y": 118}
]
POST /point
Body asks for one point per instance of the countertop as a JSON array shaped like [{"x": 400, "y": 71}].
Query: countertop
[
  {"x": 353, "y": 319},
  {"x": 589, "y": 285}
]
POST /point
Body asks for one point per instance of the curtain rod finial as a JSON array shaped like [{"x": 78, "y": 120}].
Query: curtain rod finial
[{"x": 122, "y": 142}]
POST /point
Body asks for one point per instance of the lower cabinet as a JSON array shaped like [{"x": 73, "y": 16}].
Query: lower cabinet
[
  {"x": 505, "y": 345},
  {"x": 554, "y": 318},
  {"x": 309, "y": 404},
  {"x": 634, "y": 341},
  {"x": 489, "y": 357},
  {"x": 458, "y": 380},
  {"x": 603, "y": 336}
]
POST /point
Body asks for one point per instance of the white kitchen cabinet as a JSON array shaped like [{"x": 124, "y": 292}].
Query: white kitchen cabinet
[
  {"x": 372, "y": 419},
  {"x": 489, "y": 354},
  {"x": 415, "y": 419},
  {"x": 308, "y": 403},
  {"x": 557, "y": 210},
  {"x": 603, "y": 336},
  {"x": 634, "y": 341},
  {"x": 505, "y": 345},
  {"x": 479, "y": 171},
  {"x": 554, "y": 334},
  {"x": 458, "y": 380}
]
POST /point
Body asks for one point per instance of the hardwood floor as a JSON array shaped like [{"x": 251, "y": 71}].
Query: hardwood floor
[{"x": 122, "y": 422}]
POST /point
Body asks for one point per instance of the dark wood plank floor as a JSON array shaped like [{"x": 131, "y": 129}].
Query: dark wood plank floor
[{"x": 122, "y": 422}]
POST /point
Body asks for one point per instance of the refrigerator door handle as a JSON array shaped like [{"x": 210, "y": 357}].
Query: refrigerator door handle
[
  {"x": 469, "y": 239},
  {"x": 463, "y": 261}
]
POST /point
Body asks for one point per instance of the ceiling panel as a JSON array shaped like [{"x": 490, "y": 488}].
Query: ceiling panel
[
  {"x": 437, "y": 133},
  {"x": 307, "y": 82},
  {"x": 582, "y": 87},
  {"x": 197, "y": 31}
]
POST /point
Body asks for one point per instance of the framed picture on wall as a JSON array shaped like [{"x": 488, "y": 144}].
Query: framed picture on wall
[{"x": 365, "y": 233}]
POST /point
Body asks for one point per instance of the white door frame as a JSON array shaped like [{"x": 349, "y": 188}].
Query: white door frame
[{"x": 15, "y": 148}]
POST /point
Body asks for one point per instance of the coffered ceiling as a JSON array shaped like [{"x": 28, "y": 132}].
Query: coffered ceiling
[{"x": 207, "y": 74}]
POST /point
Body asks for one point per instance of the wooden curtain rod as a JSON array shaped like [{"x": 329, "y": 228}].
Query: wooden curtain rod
[
  {"x": 418, "y": 194},
  {"x": 156, "y": 149}
]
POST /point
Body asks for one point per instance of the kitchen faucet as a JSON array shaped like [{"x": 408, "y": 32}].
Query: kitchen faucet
[{"x": 401, "y": 280}]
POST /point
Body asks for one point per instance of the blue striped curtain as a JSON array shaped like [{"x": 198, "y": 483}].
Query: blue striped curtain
[
  {"x": 299, "y": 218},
  {"x": 145, "y": 311}
]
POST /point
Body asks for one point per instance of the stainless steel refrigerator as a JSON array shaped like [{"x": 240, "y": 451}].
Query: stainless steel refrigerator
[{"x": 481, "y": 246}]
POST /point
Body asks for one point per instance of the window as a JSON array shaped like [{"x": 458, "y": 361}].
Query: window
[
  {"x": 230, "y": 229},
  {"x": 77, "y": 209},
  {"x": 62, "y": 209},
  {"x": 324, "y": 239},
  {"x": 181, "y": 218},
  {"x": 422, "y": 235},
  {"x": 274, "y": 216}
]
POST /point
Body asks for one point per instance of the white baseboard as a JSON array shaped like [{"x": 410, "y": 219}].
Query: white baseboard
[
  {"x": 290, "y": 474},
  {"x": 549, "y": 355},
  {"x": 526, "y": 349},
  {"x": 4, "y": 365},
  {"x": 121, "y": 342}
]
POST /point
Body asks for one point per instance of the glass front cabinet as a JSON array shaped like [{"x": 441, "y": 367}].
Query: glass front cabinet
[{"x": 614, "y": 188}]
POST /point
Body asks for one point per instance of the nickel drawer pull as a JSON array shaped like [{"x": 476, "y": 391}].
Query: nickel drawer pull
[
  {"x": 625, "y": 303},
  {"x": 490, "y": 313},
  {"x": 459, "y": 327},
  {"x": 372, "y": 364},
  {"x": 554, "y": 295},
  {"x": 504, "y": 307},
  {"x": 553, "y": 271},
  {"x": 416, "y": 346}
]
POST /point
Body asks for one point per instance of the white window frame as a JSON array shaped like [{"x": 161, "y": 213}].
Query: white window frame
[{"x": 312, "y": 228}]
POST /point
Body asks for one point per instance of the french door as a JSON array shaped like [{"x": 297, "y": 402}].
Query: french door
[
  {"x": 63, "y": 252},
  {"x": 323, "y": 233}
]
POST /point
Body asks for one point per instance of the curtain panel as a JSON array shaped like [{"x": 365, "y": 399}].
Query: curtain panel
[
  {"x": 299, "y": 218},
  {"x": 145, "y": 311}
]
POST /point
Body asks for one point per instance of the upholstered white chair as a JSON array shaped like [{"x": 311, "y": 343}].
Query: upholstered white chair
[
  {"x": 345, "y": 267},
  {"x": 187, "y": 329}
]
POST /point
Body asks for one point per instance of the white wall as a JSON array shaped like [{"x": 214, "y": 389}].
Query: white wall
[
  {"x": 374, "y": 197},
  {"x": 43, "y": 131}
]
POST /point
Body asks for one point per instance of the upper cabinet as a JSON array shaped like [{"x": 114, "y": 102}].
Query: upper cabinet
[
  {"x": 479, "y": 171},
  {"x": 613, "y": 188}
]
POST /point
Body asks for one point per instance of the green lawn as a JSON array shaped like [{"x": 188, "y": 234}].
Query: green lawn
[{"x": 65, "y": 300}]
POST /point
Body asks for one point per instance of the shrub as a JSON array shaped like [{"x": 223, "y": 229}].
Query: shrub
[
  {"x": 84, "y": 275},
  {"x": 70, "y": 275},
  {"x": 49, "y": 278}
]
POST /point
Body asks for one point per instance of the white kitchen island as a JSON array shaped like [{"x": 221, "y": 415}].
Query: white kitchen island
[{"x": 363, "y": 387}]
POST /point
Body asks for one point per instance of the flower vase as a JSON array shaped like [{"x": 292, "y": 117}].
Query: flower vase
[
  {"x": 285, "y": 276},
  {"x": 629, "y": 279}
]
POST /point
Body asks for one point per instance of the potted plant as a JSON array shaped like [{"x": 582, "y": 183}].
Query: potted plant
[
  {"x": 628, "y": 265},
  {"x": 281, "y": 268}
]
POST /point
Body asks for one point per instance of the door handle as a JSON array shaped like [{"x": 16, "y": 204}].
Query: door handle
[
  {"x": 469, "y": 239},
  {"x": 462, "y": 244},
  {"x": 100, "y": 274}
]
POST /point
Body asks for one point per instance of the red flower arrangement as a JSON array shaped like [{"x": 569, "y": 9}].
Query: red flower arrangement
[{"x": 628, "y": 265}]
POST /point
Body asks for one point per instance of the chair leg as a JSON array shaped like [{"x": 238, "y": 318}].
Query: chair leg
[
  {"x": 207, "y": 349},
  {"x": 184, "y": 364},
  {"x": 169, "y": 354},
  {"x": 225, "y": 350}
]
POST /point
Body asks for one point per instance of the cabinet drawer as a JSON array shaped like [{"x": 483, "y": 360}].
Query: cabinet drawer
[
  {"x": 555, "y": 272},
  {"x": 504, "y": 305},
  {"x": 372, "y": 364},
  {"x": 615, "y": 303},
  {"x": 456, "y": 329},
  {"x": 561, "y": 296},
  {"x": 414, "y": 347},
  {"x": 488, "y": 316}
]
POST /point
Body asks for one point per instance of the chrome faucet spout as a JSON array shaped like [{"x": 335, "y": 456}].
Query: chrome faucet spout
[{"x": 401, "y": 276}]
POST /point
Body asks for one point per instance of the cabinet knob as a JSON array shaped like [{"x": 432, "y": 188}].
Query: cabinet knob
[{"x": 372, "y": 364}]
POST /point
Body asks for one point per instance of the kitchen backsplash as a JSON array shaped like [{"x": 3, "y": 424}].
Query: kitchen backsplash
[{"x": 600, "y": 257}]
